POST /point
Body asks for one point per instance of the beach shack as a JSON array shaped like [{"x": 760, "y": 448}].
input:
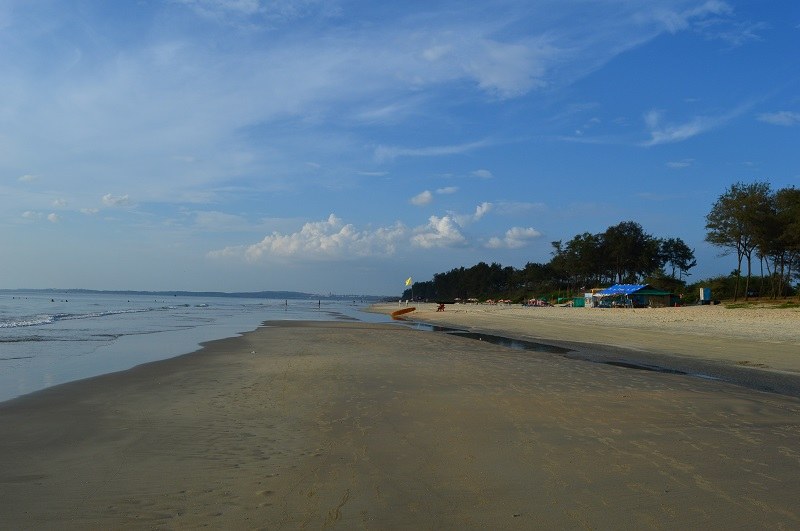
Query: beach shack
[{"x": 635, "y": 296}]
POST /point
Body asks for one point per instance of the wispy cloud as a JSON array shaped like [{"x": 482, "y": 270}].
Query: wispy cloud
[
  {"x": 785, "y": 118},
  {"x": 668, "y": 133},
  {"x": 254, "y": 13},
  {"x": 680, "y": 164},
  {"x": 447, "y": 190},
  {"x": 386, "y": 153}
]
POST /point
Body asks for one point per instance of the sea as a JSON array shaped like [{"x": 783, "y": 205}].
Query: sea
[{"x": 51, "y": 337}]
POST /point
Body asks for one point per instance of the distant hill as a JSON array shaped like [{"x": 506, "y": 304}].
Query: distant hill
[{"x": 239, "y": 294}]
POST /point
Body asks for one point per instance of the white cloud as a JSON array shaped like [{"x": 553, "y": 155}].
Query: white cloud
[
  {"x": 507, "y": 70},
  {"x": 515, "y": 238},
  {"x": 422, "y": 198},
  {"x": 53, "y": 217},
  {"x": 483, "y": 174},
  {"x": 116, "y": 201},
  {"x": 329, "y": 239},
  {"x": 439, "y": 232},
  {"x": 385, "y": 153},
  {"x": 90, "y": 211},
  {"x": 669, "y": 133},
  {"x": 785, "y": 118},
  {"x": 30, "y": 214},
  {"x": 447, "y": 190},
  {"x": 27, "y": 178},
  {"x": 680, "y": 164},
  {"x": 480, "y": 211},
  {"x": 210, "y": 7},
  {"x": 652, "y": 118},
  {"x": 59, "y": 202},
  {"x": 436, "y": 52},
  {"x": 248, "y": 12},
  {"x": 675, "y": 21}
]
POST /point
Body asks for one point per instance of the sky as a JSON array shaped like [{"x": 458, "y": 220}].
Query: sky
[{"x": 344, "y": 145}]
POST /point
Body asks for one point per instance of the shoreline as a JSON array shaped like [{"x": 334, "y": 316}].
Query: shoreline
[
  {"x": 352, "y": 424},
  {"x": 757, "y": 349},
  {"x": 119, "y": 333}
]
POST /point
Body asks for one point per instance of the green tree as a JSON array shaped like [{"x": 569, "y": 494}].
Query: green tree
[
  {"x": 678, "y": 255},
  {"x": 735, "y": 221},
  {"x": 631, "y": 252},
  {"x": 787, "y": 244}
]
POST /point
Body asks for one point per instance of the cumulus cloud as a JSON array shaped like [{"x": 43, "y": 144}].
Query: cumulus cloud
[
  {"x": 89, "y": 211},
  {"x": 27, "y": 178},
  {"x": 116, "y": 201},
  {"x": 53, "y": 217},
  {"x": 30, "y": 214},
  {"x": 447, "y": 190},
  {"x": 422, "y": 198},
  {"x": 439, "y": 232},
  {"x": 328, "y": 239},
  {"x": 59, "y": 203},
  {"x": 785, "y": 118},
  {"x": 515, "y": 238}
]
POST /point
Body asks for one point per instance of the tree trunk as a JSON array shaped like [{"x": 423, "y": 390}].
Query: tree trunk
[
  {"x": 749, "y": 274},
  {"x": 738, "y": 276}
]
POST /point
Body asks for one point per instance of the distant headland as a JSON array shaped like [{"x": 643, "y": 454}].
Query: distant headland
[{"x": 237, "y": 294}]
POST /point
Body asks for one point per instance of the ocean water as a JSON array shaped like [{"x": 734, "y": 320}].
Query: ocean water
[{"x": 48, "y": 338}]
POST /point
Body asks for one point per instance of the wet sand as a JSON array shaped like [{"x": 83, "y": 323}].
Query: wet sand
[
  {"x": 757, "y": 347},
  {"x": 353, "y": 425}
]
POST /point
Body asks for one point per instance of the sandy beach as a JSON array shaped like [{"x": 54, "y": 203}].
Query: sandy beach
[
  {"x": 370, "y": 426},
  {"x": 758, "y": 339}
]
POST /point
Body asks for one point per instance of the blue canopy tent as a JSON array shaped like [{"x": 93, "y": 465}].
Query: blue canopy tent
[{"x": 635, "y": 296}]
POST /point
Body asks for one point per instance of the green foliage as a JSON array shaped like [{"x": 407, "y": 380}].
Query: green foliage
[
  {"x": 755, "y": 222},
  {"x": 623, "y": 253},
  {"x": 747, "y": 219}
]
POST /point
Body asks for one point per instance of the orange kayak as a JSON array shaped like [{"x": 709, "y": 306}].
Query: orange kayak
[{"x": 398, "y": 313}]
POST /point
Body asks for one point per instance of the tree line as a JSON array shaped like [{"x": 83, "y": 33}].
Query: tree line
[
  {"x": 749, "y": 220},
  {"x": 753, "y": 221},
  {"x": 622, "y": 253}
]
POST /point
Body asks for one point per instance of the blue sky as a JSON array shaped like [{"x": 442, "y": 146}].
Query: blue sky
[{"x": 346, "y": 145}]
